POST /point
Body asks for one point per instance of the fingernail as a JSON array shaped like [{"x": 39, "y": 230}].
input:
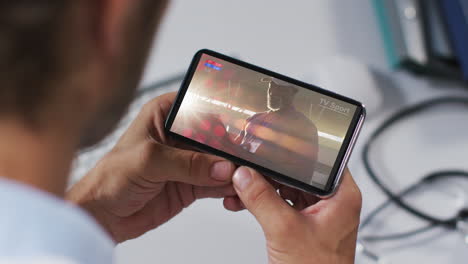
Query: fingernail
[
  {"x": 221, "y": 171},
  {"x": 242, "y": 178}
]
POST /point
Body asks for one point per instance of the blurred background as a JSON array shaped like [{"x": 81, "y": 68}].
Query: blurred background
[{"x": 389, "y": 54}]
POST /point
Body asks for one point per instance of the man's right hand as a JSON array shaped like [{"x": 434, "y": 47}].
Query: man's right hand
[{"x": 310, "y": 231}]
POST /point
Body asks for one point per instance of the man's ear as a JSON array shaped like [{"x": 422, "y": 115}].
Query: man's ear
[
  {"x": 108, "y": 23},
  {"x": 98, "y": 33}
]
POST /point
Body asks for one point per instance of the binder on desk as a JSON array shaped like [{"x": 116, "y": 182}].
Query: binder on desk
[
  {"x": 401, "y": 25},
  {"x": 416, "y": 38},
  {"x": 411, "y": 21},
  {"x": 437, "y": 36},
  {"x": 390, "y": 31},
  {"x": 455, "y": 14},
  {"x": 442, "y": 61}
]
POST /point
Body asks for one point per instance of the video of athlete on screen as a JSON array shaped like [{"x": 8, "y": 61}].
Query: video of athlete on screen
[{"x": 277, "y": 125}]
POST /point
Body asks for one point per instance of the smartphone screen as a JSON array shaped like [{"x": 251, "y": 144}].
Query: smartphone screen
[{"x": 292, "y": 131}]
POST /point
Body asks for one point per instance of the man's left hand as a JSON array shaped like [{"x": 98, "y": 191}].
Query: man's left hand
[{"x": 147, "y": 178}]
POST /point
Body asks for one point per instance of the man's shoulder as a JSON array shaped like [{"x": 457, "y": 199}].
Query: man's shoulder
[
  {"x": 302, "y": 118},
  {"x": 302, "y": 126},
  {"x": 35, "y": 260},
  {"x": 43, "y": 225}
]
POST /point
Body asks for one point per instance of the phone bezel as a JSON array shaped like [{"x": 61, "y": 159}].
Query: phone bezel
[{"x": 343, "y": 154}]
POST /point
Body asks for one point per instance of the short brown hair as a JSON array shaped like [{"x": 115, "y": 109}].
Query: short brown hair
[{"x": 28, "y": 45}]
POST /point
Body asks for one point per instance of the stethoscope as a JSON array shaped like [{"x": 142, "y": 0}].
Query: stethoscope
[{"x": 458, "y": 222}]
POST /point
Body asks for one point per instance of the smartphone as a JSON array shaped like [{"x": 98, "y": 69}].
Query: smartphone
[{"x": 296, "y": 133}]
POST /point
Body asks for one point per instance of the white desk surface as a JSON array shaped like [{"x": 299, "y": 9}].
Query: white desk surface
[{"x": 288, "y": 36}]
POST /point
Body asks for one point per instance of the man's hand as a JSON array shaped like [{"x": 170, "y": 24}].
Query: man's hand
[
  {"x": 309, "y": 231},
  {"x": 146, "y": 179}
]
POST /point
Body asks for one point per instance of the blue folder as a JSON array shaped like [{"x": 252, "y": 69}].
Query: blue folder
[{"x": 455, "y": 14}]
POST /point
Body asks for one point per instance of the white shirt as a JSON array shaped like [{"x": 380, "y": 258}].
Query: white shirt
[{"x": 36, "y": 227}]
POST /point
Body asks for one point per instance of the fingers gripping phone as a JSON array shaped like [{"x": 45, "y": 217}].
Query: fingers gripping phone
[{"x": 296, "y": 133}]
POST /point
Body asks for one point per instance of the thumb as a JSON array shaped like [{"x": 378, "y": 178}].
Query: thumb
[{"x": 261, "y": 199}]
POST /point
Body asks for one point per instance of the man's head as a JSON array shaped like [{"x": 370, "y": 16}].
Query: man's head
[
  {"x": 280, "y": 95},
  {"x": 73, "y": 63}
]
